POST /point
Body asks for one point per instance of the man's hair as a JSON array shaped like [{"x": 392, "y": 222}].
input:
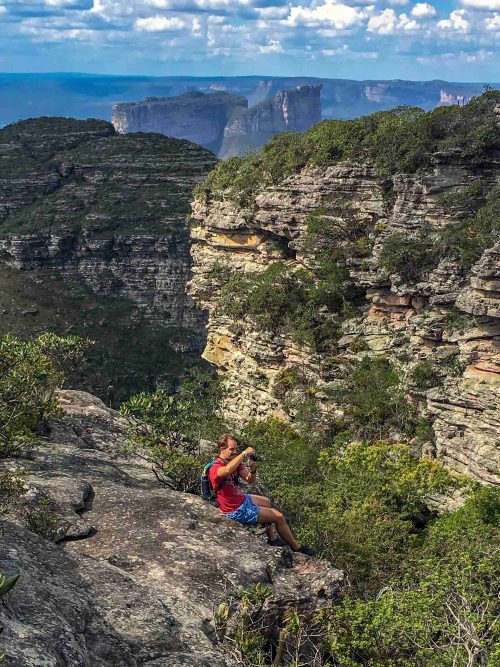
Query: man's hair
[{"x": 223, "y": 441}]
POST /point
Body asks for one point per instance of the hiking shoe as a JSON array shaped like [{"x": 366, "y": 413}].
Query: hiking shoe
[
  {"x": 307, "y": 551},
  {"x": 277, "y": 542}
]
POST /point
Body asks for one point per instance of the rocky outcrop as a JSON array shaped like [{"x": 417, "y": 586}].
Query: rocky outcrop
[
  {"x": 220, "y": 121},
  {"x": 410, "y": 324},
  {"x": 197, "y": 117},
  {"x": 291, "y": 110},
  {"x": 138, "y": 569}
]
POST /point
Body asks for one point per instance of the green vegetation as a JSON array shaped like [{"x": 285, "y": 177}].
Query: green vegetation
[
  {"x": 166, "y": 429},
  {"x": 463, "y": 240},
  {"x": 129, "y": 355},
  {"x": 401, "y": 140},
  {"x": 42, "y": 520},
  {"x": 6, "y": 584},
  {"x": 30, "y": 372},
  {"x": 409, "y": 258},
  {"x": 424, "y": 376},
  {"x": 309, "y": 307},
  {"x": 108, "y": 184},
  {"x": 466, "y": 240},
  {"x": 421, "y": 589}
]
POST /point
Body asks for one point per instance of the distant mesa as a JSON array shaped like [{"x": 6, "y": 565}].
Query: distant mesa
[
  {"x": 195, "y": 116},
  {"x": 220, "y": 121}
]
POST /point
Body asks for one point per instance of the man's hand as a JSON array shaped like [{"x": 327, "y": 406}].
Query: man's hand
[{"x": 249, "y": 450}]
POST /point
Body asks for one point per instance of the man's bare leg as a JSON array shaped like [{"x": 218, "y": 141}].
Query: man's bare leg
[
  {"x": 268, "y": 515},
  {"x": 263, "y": 501}
]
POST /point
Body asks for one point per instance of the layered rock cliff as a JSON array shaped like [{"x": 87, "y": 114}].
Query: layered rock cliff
[
  {"x": 222, "y": 122},
  {"x": 291, "y": 110},
  {"x": 83, "y": 205},
  {"x": 138, "y": 569},
  {"x": 197, "y": 117},
  {"x": 447, "y": 319}
]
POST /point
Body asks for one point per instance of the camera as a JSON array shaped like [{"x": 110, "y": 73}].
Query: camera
[{"x": 254, "y": 458}]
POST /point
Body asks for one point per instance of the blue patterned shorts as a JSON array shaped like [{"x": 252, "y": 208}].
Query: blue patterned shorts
[{"x": 247, "y": 512}]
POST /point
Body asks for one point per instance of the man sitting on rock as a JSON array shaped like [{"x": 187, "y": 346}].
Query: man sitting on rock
[{"x": 244, "y": 507}]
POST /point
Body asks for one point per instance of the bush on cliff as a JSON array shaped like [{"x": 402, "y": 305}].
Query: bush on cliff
[
  {"x": 309, "y": 307},
  {"x": 363, "y": 506},
  {"x": 165, "y": 429},
  {"x": 30, "y": 373}
]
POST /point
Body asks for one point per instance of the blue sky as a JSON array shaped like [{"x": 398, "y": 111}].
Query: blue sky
[{"x": 450, "y": 39}]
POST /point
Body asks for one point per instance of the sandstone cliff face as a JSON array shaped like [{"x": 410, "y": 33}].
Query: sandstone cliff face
[
  {"x": 138, "y": 569},
  {"x": 293, "y": 110},
  {"x": 197, "y": 117},
  {"x": 402, "y": 322}
]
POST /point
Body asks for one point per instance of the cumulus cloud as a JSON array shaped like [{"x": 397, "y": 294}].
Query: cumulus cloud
[
  {"x": 493, "y": 23},
  {"x": 159, "y": 24},
  {"x": 456, "y": 23},
  {"x": 389, "y": 23},
  {"x": 423, "y": 10},
  {"x": 487, "y": 5},
  {"x": 331, "y": 13},
  {"x": 272, "y": 47}
]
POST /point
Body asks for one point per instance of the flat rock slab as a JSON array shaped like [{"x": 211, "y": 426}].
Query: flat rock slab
[{"x": 139, "y": 568}]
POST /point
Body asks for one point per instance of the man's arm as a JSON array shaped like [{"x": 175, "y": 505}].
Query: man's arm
[
  {"x": 249, "y": 474},
  {"x": 233, "y": 465}
]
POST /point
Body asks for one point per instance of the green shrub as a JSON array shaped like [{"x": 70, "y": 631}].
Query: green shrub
[
  {"x": 443, "y": 611},
  {"x": 43, "y": 520},
  {"x": 374, "y": 400},
  {"x": 407, "y": 257},
  {"x": 30, "y": 372},
  {"x": 424, "y": 376},
  {"x": 466, "y": 240},
  {"x": 307, "y": 307},
  {"x": 165, "y": 429}
]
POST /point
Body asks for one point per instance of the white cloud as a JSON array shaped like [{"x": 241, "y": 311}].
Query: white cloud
[
  {"x": 335, "y": 52},
  {"x": 456, "y": 23},
  {"x": 333, "y": 14},
  {"x": 272, "y": 47},
  {"x": 389, "y": 23},
  {"x": 452, "y": 58},
  {"x": 159, "y": 24},
  {"x": 493, "y": 23},
  {"x": 423, "y": 10},
  {"x": 488, "y": 5}
]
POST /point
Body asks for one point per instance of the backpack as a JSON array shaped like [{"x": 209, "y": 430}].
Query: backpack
[{"x": 207, "y": 491}]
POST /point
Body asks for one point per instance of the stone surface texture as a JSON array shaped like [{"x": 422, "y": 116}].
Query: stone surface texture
[
  {"x": 408, "y": 323},
  {"x": 138, "y": 569}
]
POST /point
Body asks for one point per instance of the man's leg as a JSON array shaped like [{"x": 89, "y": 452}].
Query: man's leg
[
  {"x": 262, "y": 501},
  {"x": 268, "y": 515}
]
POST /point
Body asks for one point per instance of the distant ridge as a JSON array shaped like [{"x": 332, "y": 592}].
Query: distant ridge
[{"x": 81, "y": 95}]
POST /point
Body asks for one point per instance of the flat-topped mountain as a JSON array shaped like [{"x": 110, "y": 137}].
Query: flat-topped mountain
[
  {"x": 197, "y": 117},
  {"x": 294, "y": 110},
  {"x": 221, "y": 122}
]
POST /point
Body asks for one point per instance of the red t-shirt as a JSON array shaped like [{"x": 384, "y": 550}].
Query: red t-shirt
[{"x": 230, "y": 496}]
